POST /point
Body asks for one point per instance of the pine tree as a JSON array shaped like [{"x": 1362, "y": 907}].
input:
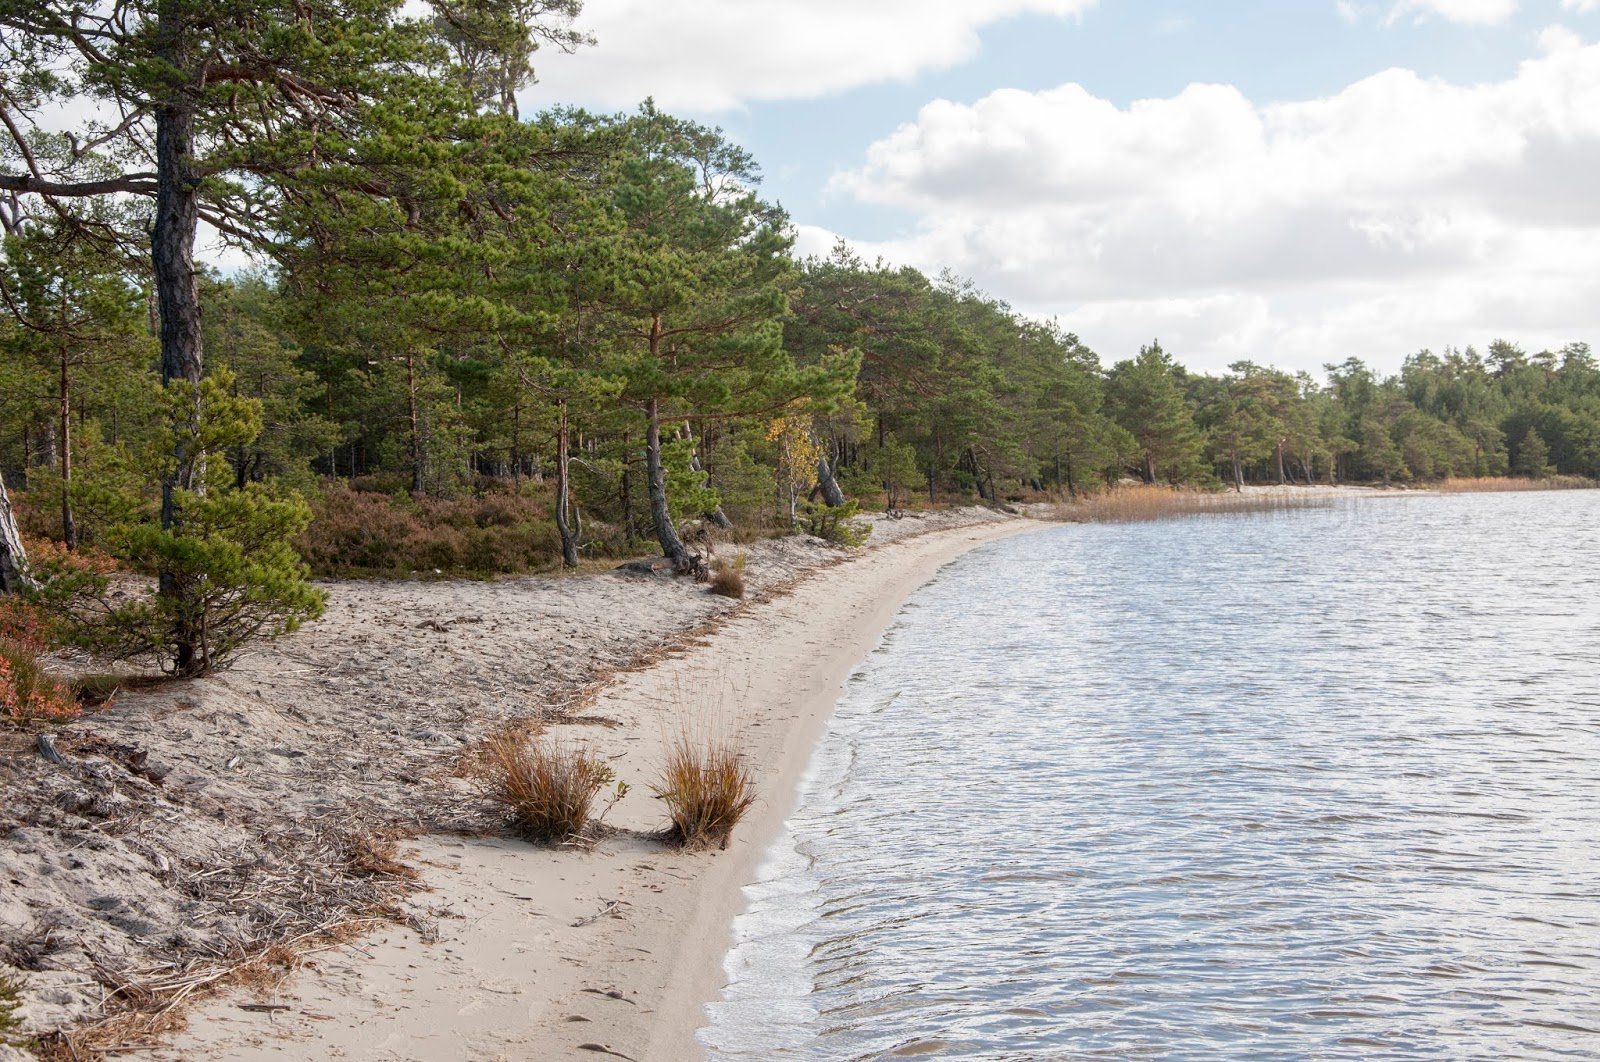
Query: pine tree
[
  {"x": 1533, "y": 456},
  {"x": 1144, "y": 396}
]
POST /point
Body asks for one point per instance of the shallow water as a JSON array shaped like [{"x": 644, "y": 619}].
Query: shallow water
[{"x": 1310, "y": 784}]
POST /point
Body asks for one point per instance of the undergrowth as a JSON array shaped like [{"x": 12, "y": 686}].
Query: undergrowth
[
  {"x": 27, "y": 692},
  {"x": 362, "y": 533}
]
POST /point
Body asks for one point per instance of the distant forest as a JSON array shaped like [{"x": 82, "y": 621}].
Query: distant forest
[{"x": 485, "y": 342}]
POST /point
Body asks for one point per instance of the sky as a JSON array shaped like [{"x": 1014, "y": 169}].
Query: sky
[{"x": 1291, "y": 182}]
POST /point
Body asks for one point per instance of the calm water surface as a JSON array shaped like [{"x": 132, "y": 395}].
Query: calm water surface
[{"x": 1317, "y": 784}]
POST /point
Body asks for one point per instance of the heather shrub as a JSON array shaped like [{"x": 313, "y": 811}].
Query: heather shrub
[
  {"x": 358, "y": 533},
  {"x": 66, "y": 602},
  {"x": 547, "y": 788},
  {"x": 22, "y": 623},
  {"x": 27, "y": 693},
  {"x": 707, "y": 789}
]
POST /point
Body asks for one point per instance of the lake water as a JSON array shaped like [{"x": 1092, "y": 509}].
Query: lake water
[{"x": 1316, "y": 784}]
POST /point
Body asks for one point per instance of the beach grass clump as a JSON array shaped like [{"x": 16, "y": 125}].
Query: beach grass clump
[
  {"x": 27, "y": 692},
  {"x": 547, "y": 787},
  {"x": 1136, "y": 504},
  {"x": 727, "y": 577},
  {"x": 707, "y": 788}
]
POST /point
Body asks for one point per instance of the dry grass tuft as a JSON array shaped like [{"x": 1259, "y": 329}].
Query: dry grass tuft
[
  {"x": 1126, "y": 505},
  {"x": 1501, "y": 484},
  {"x": 547, "y": 788},
  {"x": 727, "y": 578},
  {"x": 707, "y": 789}
]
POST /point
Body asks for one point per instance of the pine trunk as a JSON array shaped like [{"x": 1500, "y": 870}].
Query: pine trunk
[
  {"x": 418, "y": 469},
  {"x": 172, "y": 245},
  {"x": 177, "y": 215},
  {"x": 672, "y": 546},
  {"x": 569, "y": 537},
  {"x": 716, "y": 516},
  {"x": 831, "y": 494},
  {"x": 69, "y": 527},
  {"x": 13, "y": 559}
]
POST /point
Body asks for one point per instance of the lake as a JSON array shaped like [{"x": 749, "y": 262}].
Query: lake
[{"x": 1319, "y": 783}]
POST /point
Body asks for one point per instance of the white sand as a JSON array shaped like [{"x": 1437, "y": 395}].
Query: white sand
[{"x": 524, "y": 968}]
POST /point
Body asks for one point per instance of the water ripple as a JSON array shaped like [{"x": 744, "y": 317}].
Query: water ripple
[{"x": 1318, "y": 784}]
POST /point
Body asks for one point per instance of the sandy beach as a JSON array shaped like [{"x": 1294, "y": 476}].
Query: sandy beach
[
  {"x": 196, "y": 824},
  {"x": 562, "y": 954}
]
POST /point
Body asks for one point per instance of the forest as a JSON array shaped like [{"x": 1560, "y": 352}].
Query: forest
[{"x": 476, "y": 342}]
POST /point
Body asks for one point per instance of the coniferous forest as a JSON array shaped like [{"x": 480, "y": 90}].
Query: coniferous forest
[{"x": 479, "y": 341}]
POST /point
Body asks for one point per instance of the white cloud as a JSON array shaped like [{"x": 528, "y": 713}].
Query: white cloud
[
  {"x": 1399, "y": 213},
  {"x": 709, "y": 55},
  {"x": 1468, "y": 12},
  {"x": 1582, "y": 7}
]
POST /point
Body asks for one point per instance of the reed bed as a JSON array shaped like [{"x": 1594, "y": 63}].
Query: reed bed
[
  {"x": 1501, "y": 484},
  {"x": 1126, "y": 505}
]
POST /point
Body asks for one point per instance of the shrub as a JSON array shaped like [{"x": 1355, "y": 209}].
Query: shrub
[
  {"x": 22, "y": 623},
  {"x": 10, "y": 1004},
  {"x": 27, "y": 693},
  {"x": 547, "y": 788},
  {"x": 357, "y": 533},
  {"x": 727, "y": 577},
  {"x": 69, "y": 584},
  {"x": 229, "y": 577},
  {"x": 707, "y": 789},
  {"x": 837, "y": 523}
]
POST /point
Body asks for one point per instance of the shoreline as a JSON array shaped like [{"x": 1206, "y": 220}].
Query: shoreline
[{"x": 568, "y": 954}]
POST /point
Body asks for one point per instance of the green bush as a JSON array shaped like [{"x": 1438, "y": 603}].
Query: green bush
[
  {"x": 836, "y": 523},
  {"x": 10, "y": 1003},
  {"x": 228, "y": 576}
]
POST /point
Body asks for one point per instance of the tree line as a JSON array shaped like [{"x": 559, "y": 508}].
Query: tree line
[{"x": 594, "y": 321}]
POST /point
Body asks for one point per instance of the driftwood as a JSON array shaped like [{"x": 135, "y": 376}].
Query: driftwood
[
  {"x": 47, "y": 748},
  {"x": 13, "y": 559}
]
